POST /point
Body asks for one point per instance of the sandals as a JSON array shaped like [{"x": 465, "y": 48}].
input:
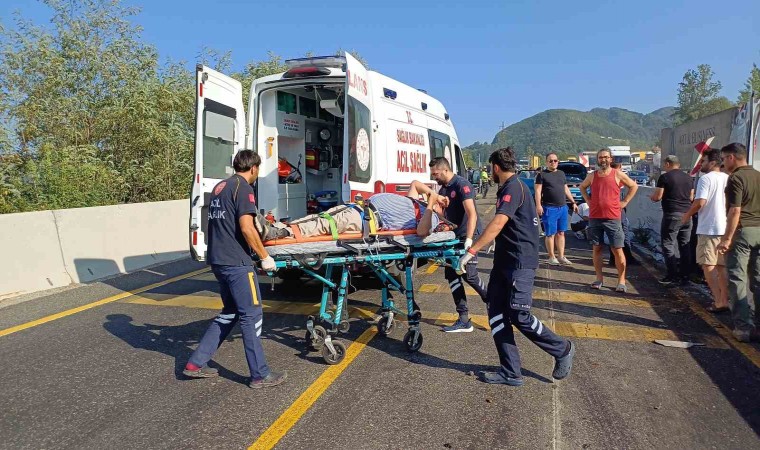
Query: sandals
[
  {"x": 716, "y": 309},
  {"x": 621, "y": 288},
  {"x": 596, "y": 285}
]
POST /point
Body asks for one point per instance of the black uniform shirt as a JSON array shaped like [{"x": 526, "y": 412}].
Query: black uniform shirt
[
  {"x": 517, "y": 243},
  {"x": 458, "y": 190},
  {"x": 230, "y": 199}
]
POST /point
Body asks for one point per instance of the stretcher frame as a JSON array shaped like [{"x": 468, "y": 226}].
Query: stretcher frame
[{"x": 322, "y": 329}]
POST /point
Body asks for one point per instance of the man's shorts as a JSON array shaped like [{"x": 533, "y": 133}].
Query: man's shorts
[
  {"x": 613, "y": 228},
  {"x": 707, "y": 251},
  {"x": 554, "y": 219}
]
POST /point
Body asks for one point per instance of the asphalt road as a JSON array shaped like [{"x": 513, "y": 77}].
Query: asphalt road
[{"x": 108, "y": 374}]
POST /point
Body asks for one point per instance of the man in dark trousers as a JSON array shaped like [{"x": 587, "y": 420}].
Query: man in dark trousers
[
  {"x": 676, "y": 190},
  {"x": 461, "y": 212},
  {"x": 231, "y": 236},
  {"x": 510, "y": 288}
]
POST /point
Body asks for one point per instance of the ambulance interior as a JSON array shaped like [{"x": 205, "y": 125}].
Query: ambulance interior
[{"x": 305, "y": 133}]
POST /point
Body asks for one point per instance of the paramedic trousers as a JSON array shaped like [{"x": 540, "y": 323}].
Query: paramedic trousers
[
  {"x": 241, "y": 301},
  {"x": 510, "y": 296},
  {"x": 457, "y": 287}
]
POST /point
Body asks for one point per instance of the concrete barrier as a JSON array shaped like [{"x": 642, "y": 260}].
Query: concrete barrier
[
  {"x": 105, "y": 241},
  {"x": 31, "y": 258},
  {"x": 643, "y": 212},
  {"x": 55, "y": 248}
]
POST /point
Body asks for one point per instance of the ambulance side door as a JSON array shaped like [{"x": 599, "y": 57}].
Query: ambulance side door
[
  {"x": 358, "y": 134},
  {"x": 219, "y": 135}
]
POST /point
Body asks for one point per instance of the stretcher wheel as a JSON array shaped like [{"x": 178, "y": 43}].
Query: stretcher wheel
[
  {"x": 413, "y": 340},
  {"x": 385, "y": 326},
  {"x": 344, "y": 326},
  {"x": 340, "y": 353},
  {"x": 317, "y": 340}
]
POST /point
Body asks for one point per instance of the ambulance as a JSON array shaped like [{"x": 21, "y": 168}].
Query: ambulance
[{"x": 328, "y": 131}]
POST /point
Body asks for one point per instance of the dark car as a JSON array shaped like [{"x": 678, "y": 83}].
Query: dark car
[
  {"x": 575, "y": 173},
  {"x": 529, "y": 178},
  {"x": 640, "y": 177}
]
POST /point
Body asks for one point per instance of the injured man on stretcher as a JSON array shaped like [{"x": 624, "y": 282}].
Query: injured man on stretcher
[{"x": 388, "y": 212}]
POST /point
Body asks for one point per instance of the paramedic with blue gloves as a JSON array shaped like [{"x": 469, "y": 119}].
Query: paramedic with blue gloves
[
  {"x": 461, "y": 212},
  {"x": 510, "y": 288},
  {"x": 231, "y": 236}
]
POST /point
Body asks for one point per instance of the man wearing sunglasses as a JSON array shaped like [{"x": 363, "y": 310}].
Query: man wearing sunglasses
[{"x": 552, "y": 194}]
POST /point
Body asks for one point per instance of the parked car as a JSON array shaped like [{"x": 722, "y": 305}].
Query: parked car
[
  {"x": 529, "y": 178},
  {"x": 640, "y": 177},
  {"x": 575, "y": 173}
]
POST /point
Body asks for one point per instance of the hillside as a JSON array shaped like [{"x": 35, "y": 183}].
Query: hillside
[{"x": 567, "y": 131}]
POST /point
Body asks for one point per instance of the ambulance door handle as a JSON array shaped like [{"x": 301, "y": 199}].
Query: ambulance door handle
[
  {"x": 195, "y": 200},
  {"x": 375, "y": 126}
]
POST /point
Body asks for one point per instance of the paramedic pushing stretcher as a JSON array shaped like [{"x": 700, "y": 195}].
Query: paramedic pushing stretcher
[
  {"x": 510, "y": 288},
  {"x": 462, "y": 213},
  {"x": 231, "y": 236}
]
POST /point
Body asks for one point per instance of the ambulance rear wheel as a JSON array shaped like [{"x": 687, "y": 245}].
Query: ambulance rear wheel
[
  {"x": 340, "y": 353},
  {"x": 385, "y": 326},
  {"x": 413, "y": 340},
  {"x": 317, "y": 340}
]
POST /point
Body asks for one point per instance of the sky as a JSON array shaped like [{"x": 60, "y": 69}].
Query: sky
[{"x": 490, "y": 62}]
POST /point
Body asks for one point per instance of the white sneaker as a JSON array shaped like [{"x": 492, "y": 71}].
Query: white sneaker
[
  {"x": 565, "y": 261},
  {"x": 553, "y": 262}
]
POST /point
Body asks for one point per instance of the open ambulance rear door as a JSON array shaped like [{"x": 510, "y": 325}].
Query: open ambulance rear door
[
  {"x": 219, "y": 134},
  {"x": 358, "y": 135}
]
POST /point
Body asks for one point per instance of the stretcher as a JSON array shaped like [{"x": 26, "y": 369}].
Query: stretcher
[{"x": 328, "y": 261}]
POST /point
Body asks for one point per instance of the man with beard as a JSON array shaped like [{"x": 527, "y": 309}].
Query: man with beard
[
  {"x": 710, "y": 203},
  {"x": 461, "y": 212},
  {"x": 605, "y": 214},
  {"x": 510, "y": 288}
]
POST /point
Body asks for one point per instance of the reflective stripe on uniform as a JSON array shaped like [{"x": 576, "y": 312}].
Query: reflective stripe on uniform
[{"x": 254, "y": 294}]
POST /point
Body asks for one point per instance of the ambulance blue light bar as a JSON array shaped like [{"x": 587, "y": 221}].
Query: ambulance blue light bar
[{"x": 389, "y": 93}]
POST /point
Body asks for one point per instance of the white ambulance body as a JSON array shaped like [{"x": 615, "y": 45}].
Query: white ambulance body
[{"x": 349, "y": 130}]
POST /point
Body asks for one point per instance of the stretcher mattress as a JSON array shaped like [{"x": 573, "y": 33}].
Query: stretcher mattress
[{"x": 332, "y": 247}]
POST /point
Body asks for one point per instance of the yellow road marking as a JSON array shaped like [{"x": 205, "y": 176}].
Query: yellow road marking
[
  {"x": 290, "y": 417},
  {"x": 104, "y": 301},
  {"x": 747, "y": 350},
  {"x": 595, "y": 299},
  {"x": 208, "y": 276},
  {"x": 429, "y": 288},
  {"x": 489, "y": 209},
  {"x": 432, "y": 268}
]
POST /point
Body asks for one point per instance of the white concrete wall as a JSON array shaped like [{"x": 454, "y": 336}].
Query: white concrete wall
[{"x": 55, "y": 248}]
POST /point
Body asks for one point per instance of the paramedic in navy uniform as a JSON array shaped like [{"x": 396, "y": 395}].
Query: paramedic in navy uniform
[
  {"x": 231, "y": 236},
  {"x": 460, "y": 211},
  {"x": 510, "y": 288}
]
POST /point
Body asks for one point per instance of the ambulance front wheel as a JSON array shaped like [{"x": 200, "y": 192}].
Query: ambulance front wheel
[
  {"x": 413, "y": 340},
  {"x": 337, "y": 357}
]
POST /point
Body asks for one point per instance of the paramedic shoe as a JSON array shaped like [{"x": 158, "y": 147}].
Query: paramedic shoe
[
  {"x": 563, "y": 364},
  {"x": 202, "y": 372},
  {"x": 273, "y": 379},
  {"x": 459, "y": 327},
  {"x": 500, "y": 377}
]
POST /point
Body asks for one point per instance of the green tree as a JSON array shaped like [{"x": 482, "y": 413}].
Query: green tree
[
  {"x": 698, "y": 95},
  {"x": 752, "y": 84}
]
